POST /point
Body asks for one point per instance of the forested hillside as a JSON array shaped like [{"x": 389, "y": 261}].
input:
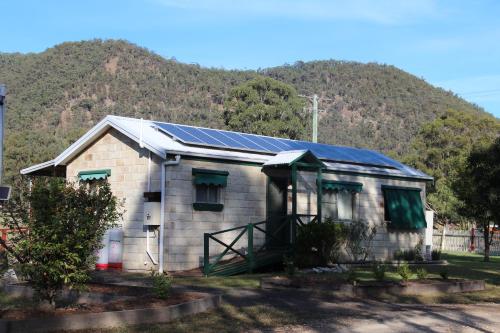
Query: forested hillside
[{"x": 56, "y": 95}]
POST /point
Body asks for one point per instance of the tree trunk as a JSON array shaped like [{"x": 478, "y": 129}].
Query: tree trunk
[{"x": 487, "y": 236}]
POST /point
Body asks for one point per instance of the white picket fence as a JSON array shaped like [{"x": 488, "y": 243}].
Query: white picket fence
[{"x": 461, "y": 241}]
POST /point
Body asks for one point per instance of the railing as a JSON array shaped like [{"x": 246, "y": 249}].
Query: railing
[
  {"x": 465, "y": 241},
  {"x": 249, "y": 257}
]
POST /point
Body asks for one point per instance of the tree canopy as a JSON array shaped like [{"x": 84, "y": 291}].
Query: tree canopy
[
  {"x": 478, "y": 185},
  {"x": 441, "y": 149},
  {"x": 266, "y": 106}
]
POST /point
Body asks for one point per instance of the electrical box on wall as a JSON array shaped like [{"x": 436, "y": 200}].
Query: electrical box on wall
[{"x": 152, "y": 213}]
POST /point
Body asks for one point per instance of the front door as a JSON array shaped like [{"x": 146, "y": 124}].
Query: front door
[{"x": 277, "y": 196}]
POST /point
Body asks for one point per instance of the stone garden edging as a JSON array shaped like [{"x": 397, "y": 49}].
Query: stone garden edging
[
  {"x": 430, "y": 287},
  {"x": 111, "y": 318}
]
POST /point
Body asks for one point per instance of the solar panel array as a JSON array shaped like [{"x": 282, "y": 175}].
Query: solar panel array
[{"x": 251, "y": 142}]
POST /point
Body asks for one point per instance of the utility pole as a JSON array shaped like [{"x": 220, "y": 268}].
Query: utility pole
[
  {"x": 4, "y": 189},
  {"x": 315, "y": 118},
  {"x": 3, "y": 91}
]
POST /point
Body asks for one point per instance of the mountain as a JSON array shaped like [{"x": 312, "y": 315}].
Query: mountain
[{"x": 56, "y": 95}]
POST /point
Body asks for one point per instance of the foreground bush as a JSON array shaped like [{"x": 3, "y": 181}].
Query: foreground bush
[
  {"x": 59, "y": 228},
  {"x": 319, "y": 243}
]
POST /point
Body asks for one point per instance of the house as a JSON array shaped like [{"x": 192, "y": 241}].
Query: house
[{"x": 184, "y": 185}]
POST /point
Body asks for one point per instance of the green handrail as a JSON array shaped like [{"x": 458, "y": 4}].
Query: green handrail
[{"x": 250, "y": 259}]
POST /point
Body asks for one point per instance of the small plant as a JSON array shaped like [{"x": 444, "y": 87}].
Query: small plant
[
  {"x": 436, "y": 255},
  {"x": 444, "y": 273},
  {"x": 289, "y": 265},
  {"x": 404, "y": 271},
  {"x": 162, "y": 284},
  {"x": 352, "y": 276},
  {"x": 379, "y": 271},
  {"x": 417, "y": 250},
  {"x": 421, "y": 273},
  {"x": 407, "y": 255}
]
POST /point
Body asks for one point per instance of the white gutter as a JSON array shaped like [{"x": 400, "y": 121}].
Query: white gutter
[{"x": 162, "y": 212}]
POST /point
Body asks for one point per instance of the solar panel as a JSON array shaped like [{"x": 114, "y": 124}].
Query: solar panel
[
  {"x": 258, "y": 143},
  {"x": 5, "y": 191}
]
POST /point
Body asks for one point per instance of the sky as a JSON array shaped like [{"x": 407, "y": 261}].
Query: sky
[{"x": 454, "y": 44}]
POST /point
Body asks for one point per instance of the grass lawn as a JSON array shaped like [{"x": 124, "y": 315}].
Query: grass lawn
[
  {"x": 230, "y": 318},
  {"x": 460, "y": 266}
]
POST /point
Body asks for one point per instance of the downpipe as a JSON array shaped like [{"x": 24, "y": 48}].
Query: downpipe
[{"x": 164, "y": 165}]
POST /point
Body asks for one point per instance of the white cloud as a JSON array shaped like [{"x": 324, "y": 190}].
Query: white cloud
[{"x": 375, "y": 11}]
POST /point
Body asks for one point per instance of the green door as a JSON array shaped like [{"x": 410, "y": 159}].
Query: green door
[{"x": 277, "y": 188}]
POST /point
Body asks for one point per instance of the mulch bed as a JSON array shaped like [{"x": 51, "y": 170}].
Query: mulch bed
[{"x": 142, "y": 298}]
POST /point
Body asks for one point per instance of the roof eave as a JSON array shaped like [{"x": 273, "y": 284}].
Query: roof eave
[{"x": 96, "y": 131}]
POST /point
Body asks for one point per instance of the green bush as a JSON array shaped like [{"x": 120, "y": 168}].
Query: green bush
[
  {"x": 408, "y": 255},
  {"x": 359, "y": 236},
  {"x": 379, "y": 271},
  {"x": 66, "y": 223},
  {"x": 404, "y": 271},
  {"x": 352, "y": 275},
  {"x": 319, "y": 243},
  {"x": 289, "y": 265},
  {"x": 421, "y": 273},
  {"x": 444, "y": 273},
  {"x": 162, "y": 285},
  {"x": 436, "y": 255}
]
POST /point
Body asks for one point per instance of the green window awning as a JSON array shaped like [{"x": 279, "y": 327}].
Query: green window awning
[
  {"x": 403, "y": 207},
  {"x": 334, "y": 185},
  {"x": 210, "y": 177},
  {"x": 94, "y": 174}
]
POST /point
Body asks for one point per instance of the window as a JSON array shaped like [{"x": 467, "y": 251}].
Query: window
[
  {"x": 340, "y": 199},
  {"x": 345, "y": 204},
  {"x": 208, "y": 189},
  {"x": 403, "y": 207},
  {"x": 207, "y": 193}
]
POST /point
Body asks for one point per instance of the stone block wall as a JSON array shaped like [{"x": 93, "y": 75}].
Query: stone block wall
[
  {"x": 128, "y": 180},
  {"x": 244, "y": 200}
]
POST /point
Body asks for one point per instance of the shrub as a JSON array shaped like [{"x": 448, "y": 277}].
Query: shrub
[
  {"x": 162, "y": 285},
  {"x": 398, "y": 255},
  {"x": 319, "y": 243},
  {"x": 418, "y": 251},
  {"x": 444, "y": 273},
  {"x": 408, "y": 255},
  {"x": 421, "y": 273},
  {"x": 404, "y": 271},
  {"x": 352, "y": 275},
  {"x": 359, "y": 237},
  {"x": 379, "y": 271},
  {"x": 60, "y": 227},
  {"x": 289, "y": 265},
  {"x": 436, "y": 255}
]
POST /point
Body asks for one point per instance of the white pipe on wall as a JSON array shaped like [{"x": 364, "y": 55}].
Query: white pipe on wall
[
  {"x": 162, "y": 209},
  {"x": 148, "y": 251}
]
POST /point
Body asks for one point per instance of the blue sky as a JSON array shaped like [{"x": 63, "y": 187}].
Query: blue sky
[{"x": 451, "y": 43}]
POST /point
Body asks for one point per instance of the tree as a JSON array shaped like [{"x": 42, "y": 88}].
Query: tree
[
  {"x": 58, "y": 227},
  {"x": 265, "y": 106},
  {"x": 441, "y": 149},
  {"x": 479, "y": 188}
]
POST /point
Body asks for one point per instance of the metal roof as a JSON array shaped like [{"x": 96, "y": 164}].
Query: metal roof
[{"x": 166, "y": 138}]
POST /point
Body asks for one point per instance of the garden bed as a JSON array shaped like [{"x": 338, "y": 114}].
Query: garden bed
[
  {"x": 101, "y": 306},
  {"x": 373, "y": 288}
]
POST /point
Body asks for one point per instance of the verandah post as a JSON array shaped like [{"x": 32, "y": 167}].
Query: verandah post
[
  {"x": 319, "y": 190},
  {"x": 250, "y": 257},
  {"x": 293, "y": 220},
  {"x": 206, "y": 254}
]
